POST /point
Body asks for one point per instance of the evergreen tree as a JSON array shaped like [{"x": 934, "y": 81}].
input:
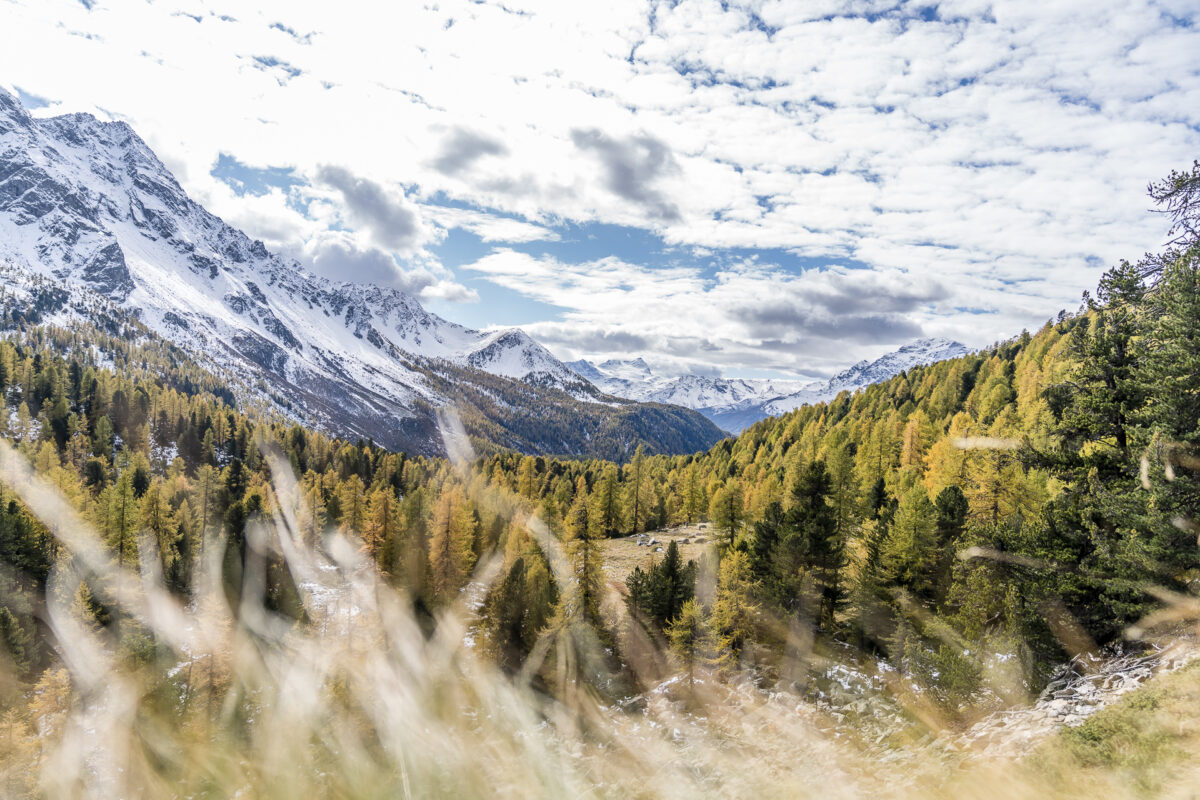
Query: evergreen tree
[
  {"x": 693, "y": 494},
  {"x": 585, "y": 557},
  {"x": 637, "y": 505},
  {"x": 122, "y": 512},
  {"x": 952, "y": 509},
  {"x": 352, "y": 499},
  {"x": 1178, "y": 196},
  {"x": 159, "y": 519},
  {"x": 504, "y": 625},
  {"x": 725, "y": 513},
  {"x": 809, "y": 557},
  {"x": 767, "y": 533},
  {"x": 450, "y": 555},
  {"x": 383, "y": 520},
  {"x": 908, "y": 553},
  {"x": 206, "y": 501},
  {"x": 686, "y": 633},
  {"x": 17, "y": 643},
  {"x": 659, "y": 592},
  {"x": 734, "y": 619},
  {"x": 312, "y": 509},
  {"x": 1099, "y": 520},
  {"x": 604, "y": 515}
]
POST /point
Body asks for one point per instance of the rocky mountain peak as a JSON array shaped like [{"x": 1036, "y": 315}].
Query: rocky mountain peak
[{"x": 89, "y": 203}]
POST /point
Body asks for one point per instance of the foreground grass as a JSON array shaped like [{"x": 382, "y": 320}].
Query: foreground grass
[
  {"x": 362, "y": 702},
  {"x": 1147, "y": 742}
]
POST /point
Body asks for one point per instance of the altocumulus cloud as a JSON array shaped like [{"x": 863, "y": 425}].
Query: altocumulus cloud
[
  {"x": 462, "y": 148},
  {"x": 1001, "y": 147},
  {"x": 339, "y": 257},
  {"x": 630, "y": 168},
  {"x": 391, "y": 221},
  {"x": 754, "y": 315}
]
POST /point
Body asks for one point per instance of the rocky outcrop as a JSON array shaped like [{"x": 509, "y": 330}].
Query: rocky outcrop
[{"x": 1081, "y": 687}]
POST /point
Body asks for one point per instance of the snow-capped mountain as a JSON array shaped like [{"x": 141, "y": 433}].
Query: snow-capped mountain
[
  {"x": 865, "y": 373},
  {"x": 634, "y": 380},
  {"x": 736, "y": 403},
  {"x": 88, "y": 203}
]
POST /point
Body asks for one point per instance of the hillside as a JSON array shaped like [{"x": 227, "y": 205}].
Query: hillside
[
  {"x": 497, "y": 413},
  {"x": 207, "y": 592},
  {"x": 88, "y": 203},
  {"x": 883, "y": 569}
]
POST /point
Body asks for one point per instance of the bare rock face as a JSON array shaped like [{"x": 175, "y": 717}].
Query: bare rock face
[
  {"x": 107, "y": 272},
  {"x": 86, "y": 202},
  {"x": 1082, "y": 687}
]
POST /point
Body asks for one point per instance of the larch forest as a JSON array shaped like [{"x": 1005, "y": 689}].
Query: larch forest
[{"x": 958, "y": 531}]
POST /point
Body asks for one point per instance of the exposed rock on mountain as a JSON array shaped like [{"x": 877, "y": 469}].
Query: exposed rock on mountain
[{"x": 88, "y": 203}]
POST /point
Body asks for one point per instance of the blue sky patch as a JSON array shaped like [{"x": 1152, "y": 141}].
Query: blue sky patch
[{"x": 255, "y": 181}]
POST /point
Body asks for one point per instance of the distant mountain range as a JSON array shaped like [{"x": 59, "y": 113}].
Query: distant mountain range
[
  {"x": 736, "y": 403},
  {"x": 87, "y": 204}
]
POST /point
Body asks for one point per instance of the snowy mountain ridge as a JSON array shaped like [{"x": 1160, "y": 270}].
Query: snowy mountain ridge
[
  {"x": 87, "y": 202},
  {"x": 736, "y": 403}
]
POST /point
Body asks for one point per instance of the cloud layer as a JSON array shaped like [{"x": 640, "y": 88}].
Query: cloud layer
[
  {"x": 745, "y": 316},
  {"x": 984, "y": 161}
]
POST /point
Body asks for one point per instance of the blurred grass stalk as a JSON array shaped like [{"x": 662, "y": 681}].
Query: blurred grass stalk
[{"x": 357, "y": 701}]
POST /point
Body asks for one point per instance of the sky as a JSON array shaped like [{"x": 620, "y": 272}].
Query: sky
[{"x": 747, "y": 189}]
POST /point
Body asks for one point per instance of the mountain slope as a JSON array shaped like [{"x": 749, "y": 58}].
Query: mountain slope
[
  {"x": 736, "y": 403},
  {"x": 88, "y": 203}
]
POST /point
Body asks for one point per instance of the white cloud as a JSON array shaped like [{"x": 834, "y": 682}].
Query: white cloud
[
  {"x": 489, "y": 227},
  {"x": 750, "y": 315},
  {"x": 386, "y": 216},
  {"x": 1004, "y": 145}
]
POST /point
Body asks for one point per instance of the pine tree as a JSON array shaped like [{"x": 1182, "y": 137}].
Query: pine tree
[
  {"x": 382, "y": 520},
  {"x": 312, "y": 509},
  {"x": 952, "y": 510},
  {"x": 17, "y": 643},
  {"x": 450, "y": 555},
  {"x": 637, "y": 509},
  {"x": 1100, "y": 520},
  {"x": 908, "y": 554},
  {"x": 659, "y": 592},
  {"x": 868, "y": 604},
  {"x": 527, "y": 478},
  {"x": 1169, "y": 421},
  {"x": 159, "y": 519},
  {"x": 686, "y": 634},
  {"x": 412, "y": 564},
  {"x": 811, "y": 551},
  {"x": 734, "y": 619},
  {"x": 179, "y": 577},
  {"x": 693, "y": 494},
  {"x": 122, "y": 514},
  {"x": 585, "y": 557},
  {"x": 844, "y": 494},
  {"x": 541, "y": 595},
  {"x": 504, "y": 620},
  {"x": 353, "y": 501},
  {"x": 725, "y": 513},
  {"x": 604, "y": 515},
  {"x": 767, "y": 533},
  {"x": 206, "y": 487}
]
